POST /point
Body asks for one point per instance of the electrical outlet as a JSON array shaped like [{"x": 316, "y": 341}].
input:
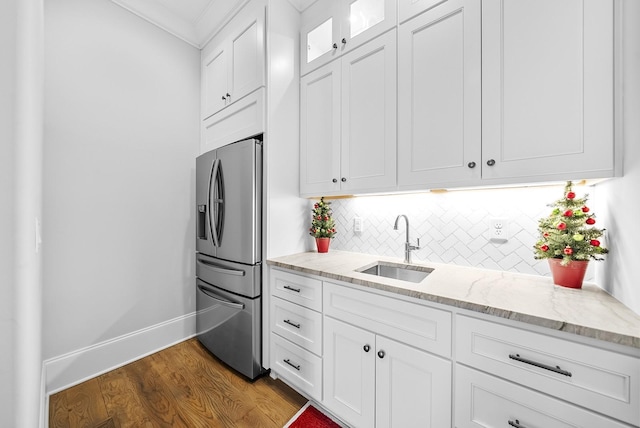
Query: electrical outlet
[
  {"x": 357, "y": 224},
  {"x": 499, "y": 230}
]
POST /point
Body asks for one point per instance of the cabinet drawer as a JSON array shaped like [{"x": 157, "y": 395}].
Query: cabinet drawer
[
  {"x": 298, "y": 324},
  {"x": 421, "y": 326},
  {"x": 598, "y": 379},
  {"x": 297, "y": 366},
  {"x": 486, "y": 401},
  {"x": 298, "y": 289}
]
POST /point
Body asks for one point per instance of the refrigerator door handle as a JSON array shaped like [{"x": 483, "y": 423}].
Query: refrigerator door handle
[
  {"x": 219, "y": 269},
  {"x": 213, "y": 222},
  {"x": 208, "y": 292}
]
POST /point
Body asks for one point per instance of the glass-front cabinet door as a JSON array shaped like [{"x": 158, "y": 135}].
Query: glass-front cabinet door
[{"x": 332, "y": 27}]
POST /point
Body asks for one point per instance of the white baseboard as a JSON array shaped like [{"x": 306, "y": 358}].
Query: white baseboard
[{"x": 86, "y": 363}]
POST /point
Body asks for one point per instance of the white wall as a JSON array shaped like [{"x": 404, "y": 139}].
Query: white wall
[
  {"x": 121, "y": 136},
  {"x": 618, "y": 199},
  {"x": 7, "y": 97}
]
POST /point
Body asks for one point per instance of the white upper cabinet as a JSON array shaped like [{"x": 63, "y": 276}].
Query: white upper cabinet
[
  {"x": 333, "y": 27},
  {"x": 439, "y": 96},
  {"x": 233, "y": 63},
  {"x": 411, "y": 8},
  {"x": 348, "y": 122},
  {"x": 547, "y": 89}
]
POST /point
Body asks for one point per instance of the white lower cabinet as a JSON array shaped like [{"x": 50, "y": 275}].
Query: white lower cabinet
[
  {"x": 370, "y": 380},
  {"x": 486, "y": 401}
]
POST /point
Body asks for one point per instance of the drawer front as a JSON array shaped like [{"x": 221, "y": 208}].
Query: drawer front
[
  {"x": 298, "y": 289},
  {"x": 597, "y": 379},
  {"x": 421, "y": 326},
  {"x": 298, "y": 324},
  {"x": 299, "y": 367},
  {"x": 486, "y": 401}
]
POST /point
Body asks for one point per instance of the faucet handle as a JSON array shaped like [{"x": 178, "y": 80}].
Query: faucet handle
[{"x": 415, "y": 247}]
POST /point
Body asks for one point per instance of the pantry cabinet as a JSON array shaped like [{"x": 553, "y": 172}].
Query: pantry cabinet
[
  {"x": 348, "y": 122},
  {"x": 330, "y": 28},
  {"x": 233, "y": 64},
  {"x": 439, "y": 98}
]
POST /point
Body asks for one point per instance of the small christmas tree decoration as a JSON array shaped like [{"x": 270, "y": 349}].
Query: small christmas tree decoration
[
  {"x": 568, "y": 236},
  {"x": 323, "y": 227}
]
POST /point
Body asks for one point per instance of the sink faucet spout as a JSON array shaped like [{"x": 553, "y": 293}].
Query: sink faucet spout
[{"x": 407, "y": 245}]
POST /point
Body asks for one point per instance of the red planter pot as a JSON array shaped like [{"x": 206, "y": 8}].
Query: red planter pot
[
  {"x": 571, "y": 275},
  {"x": 323, "y": 244}
]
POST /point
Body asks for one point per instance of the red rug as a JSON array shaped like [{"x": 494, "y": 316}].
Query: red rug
[{"x": 312, "y": 418}]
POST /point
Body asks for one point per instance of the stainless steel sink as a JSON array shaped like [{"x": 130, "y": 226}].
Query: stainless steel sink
[{"x": 399, "y": 271}]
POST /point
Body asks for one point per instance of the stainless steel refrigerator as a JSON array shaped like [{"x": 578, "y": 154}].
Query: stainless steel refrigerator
[{"x": 229, "y": 254}]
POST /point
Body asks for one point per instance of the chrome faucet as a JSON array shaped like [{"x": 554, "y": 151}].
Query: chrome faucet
[{"x": 407, "y": 245}]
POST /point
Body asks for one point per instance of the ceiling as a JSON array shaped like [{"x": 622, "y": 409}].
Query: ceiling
[{"x": 194, "y": 21}]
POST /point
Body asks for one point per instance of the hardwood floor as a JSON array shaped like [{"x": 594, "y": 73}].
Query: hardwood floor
[{"x": 182, "y": 386}]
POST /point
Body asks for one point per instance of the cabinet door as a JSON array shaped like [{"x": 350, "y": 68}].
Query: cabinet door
[
  {"x": 369, "y": 116},
  {"x": 410, "y": 8},
  {"x": 246, "y": 62},
  {"x": 319, "y": 35},
  {"x": 320, "y": 131},
  {"x": 214, "y": 81},
  {"x": 349, "y": 372},
  {"x": 547, "y": 89},
  {"x": 362, "y": 20},
  {"x": 439, "y": 112},
  {"x": 413, "y": 388}
]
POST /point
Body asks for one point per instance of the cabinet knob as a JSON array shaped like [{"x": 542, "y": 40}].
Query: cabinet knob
[
  {"x": 343, "y": 179},
  {"x": 491, "y": 162},
  {"x": 335, "y": 180},
  {"x": 471, "y": 164},
  {"x": 344, "y": 41},
  {"x": 228, "y": 95},
  {"x": 366, "y": 348},
  {"x": 516, "y": 424},
  {"x": 381, "y": 354},
  {"x": 335, "y": 46},
  {"x": 224, "y": 98}
]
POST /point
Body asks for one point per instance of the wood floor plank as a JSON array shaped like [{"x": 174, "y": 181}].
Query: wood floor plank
[{"x": 181, "y": 386}]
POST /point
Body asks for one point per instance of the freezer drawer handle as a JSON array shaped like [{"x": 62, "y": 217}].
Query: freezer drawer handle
[
  {"x": 286, "y": 360},
  {"x": 239, "y": 306},
  {"x": 288, "y": 287},
  {"x": 555, "y": 369},
  {"x": 221, "y": 270},
  {"x": 516, "y": 424},
  {"x": 291, "y": 323}
]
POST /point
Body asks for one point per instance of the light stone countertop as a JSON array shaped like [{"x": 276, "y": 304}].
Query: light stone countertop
[{"x": 532, "y": 299}]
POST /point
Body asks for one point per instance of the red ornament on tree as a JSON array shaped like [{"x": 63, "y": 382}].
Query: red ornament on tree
[
  {"x": 590, "y": 221},
  {"x": 568, "y": 251},
  {"x": 544, "y": 248},
  {"x": 568, "y": 213},
  {"x": 585, "y": 209},
  {"x": 571, "y": 195},
  {"x": 562, "y": 226},
  {"x": 595, "y": 242}
]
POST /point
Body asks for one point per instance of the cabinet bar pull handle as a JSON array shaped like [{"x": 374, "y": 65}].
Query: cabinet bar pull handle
[
  {"x": 516, "y": 424},
  {"x": 555, "y": 369},
  {"x": 297, "y": 290},
  {"x": 286, "y": 360},
  {"x": 292, "y": 323}
]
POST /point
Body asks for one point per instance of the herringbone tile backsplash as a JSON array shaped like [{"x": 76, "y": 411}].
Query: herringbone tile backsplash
[{"x": 453, "y": 227}]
